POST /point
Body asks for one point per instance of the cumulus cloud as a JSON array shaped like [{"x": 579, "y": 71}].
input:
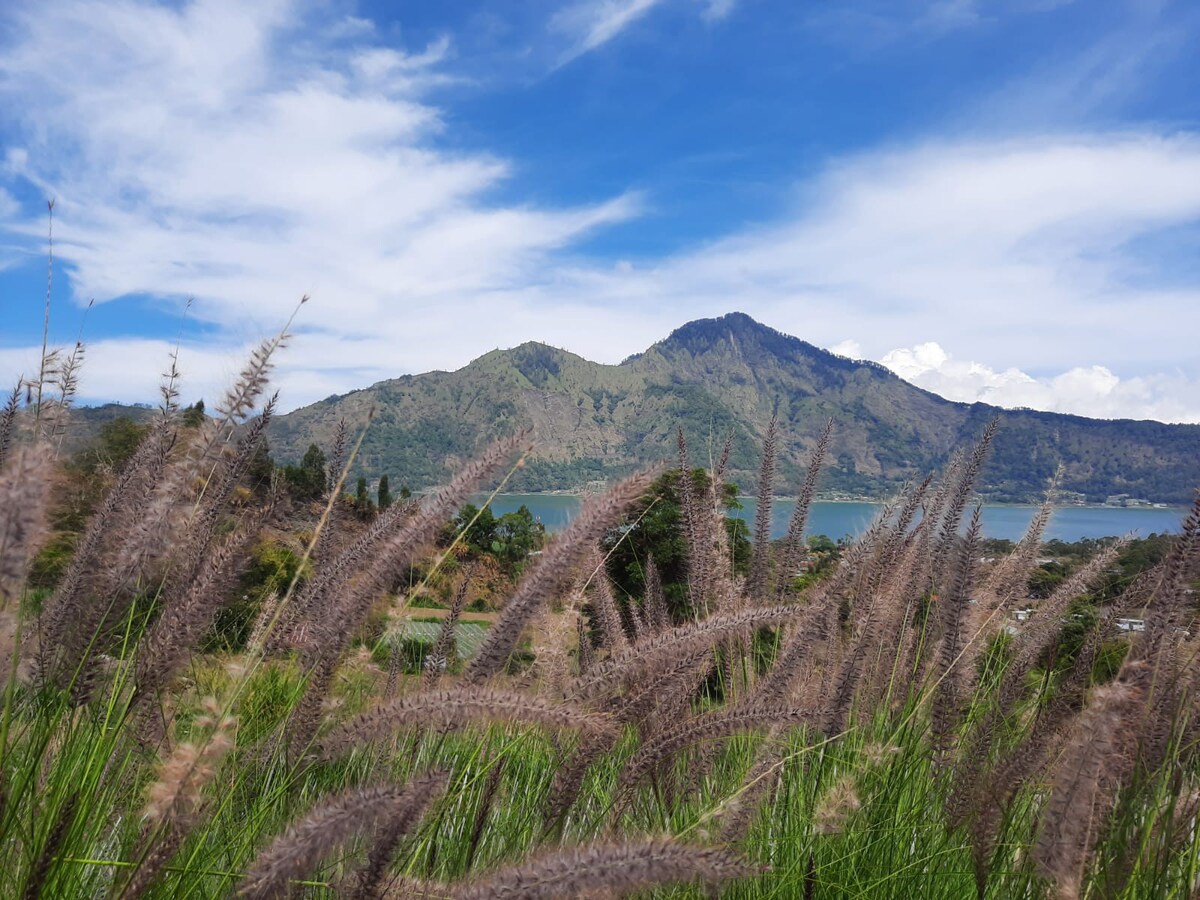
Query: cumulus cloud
[{"x": 1084, "y": 390}]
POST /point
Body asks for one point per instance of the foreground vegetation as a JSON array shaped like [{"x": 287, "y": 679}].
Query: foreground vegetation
[{"x": 719, "y": 720}]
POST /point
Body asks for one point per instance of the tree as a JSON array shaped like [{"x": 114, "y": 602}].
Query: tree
[
  {"x": 516, "y": 536},
  {"x": 477, "y": 537},
  {"x": 385, "y": 494},
  {"x": 654, "y": 527},
  {"x": 307, "y": 481},
  {"x": 362, "y": 500},
  {"x": 193, "y": 416}
]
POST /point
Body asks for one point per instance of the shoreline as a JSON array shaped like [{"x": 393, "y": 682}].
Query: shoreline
[{"x": 1015, "y": 505}]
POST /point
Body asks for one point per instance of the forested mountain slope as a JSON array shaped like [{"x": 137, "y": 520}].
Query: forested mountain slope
[{"x": 591, "y": 421}]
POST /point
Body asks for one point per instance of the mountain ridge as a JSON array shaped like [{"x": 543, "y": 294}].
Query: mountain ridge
[{"x": 593, "y": 421}]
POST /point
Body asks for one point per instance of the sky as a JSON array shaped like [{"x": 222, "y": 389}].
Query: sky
[{"x": 997, "y": 199}]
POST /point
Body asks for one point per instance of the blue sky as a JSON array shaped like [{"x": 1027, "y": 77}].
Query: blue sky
[{"x": 999, "y": 200}]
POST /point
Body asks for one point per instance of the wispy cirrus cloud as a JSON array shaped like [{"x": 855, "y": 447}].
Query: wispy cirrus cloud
[{"x": 590, "y": 23}]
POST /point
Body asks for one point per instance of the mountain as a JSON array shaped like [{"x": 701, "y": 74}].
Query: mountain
[{"x": 592, "y": 421}]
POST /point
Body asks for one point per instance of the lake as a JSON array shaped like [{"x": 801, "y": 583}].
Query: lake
[{"x": 1070, "y": 523}]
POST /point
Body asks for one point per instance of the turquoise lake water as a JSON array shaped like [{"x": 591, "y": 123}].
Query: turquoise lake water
[{"x": 1070, "y": 523}]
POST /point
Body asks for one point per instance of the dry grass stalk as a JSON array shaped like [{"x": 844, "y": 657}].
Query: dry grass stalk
[
  {"x": 644, "y": 660},
  {"x": 176, "y": 798},
  {"x": 793, "y": 543},
  {"x": 719, "y": 723},
  {"x": 612, "y": 868},
  {"x": 551, "y": 575},
  {"x": 184, "y": 620},
  {"x": 421, "y": 791},
  {"x": 445, "y": 647},
  {"x": 608, "y": 617},
  {"x": 460, "y": 707},
  {"x": 960, "y": 494},
  {"x": 332, "y": 824},
  {"x": 954, "y": 617},
  {"x": 1096, "y": 758},
  {"x": 338, "y": 600},
  {"x": 658, "y": 617},
  {"x": 8, "y": 423},
  {"x": 40, "y": 871},
  {"x": 24, "y": 489},
  {"x": 756, "y": 584},
  {"x": 833, "y": 811}
]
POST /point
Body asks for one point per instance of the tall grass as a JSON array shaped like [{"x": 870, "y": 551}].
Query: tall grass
[{"x": 878, "y": 733}]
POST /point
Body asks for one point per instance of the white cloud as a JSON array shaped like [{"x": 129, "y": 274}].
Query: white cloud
[
  {"x": 201, "y": 151},
  {"x": 849, "y": 348},
  {"x": 715, "y": 10},
  {"x": 591, "y": 23},
  {"x": 1084, "y": 390}
]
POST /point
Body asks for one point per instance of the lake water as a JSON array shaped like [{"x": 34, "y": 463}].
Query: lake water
[{"x": 1070, "y": 523}]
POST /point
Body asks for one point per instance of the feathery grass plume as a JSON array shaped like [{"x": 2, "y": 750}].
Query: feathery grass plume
[
  {"x": 756, "y": 584},
  {"x": 195, "y": 473},
  {"x": 960, "y": 494},
  {"x": 655, "y": 703},
  {"x": 330, "y": 825},
  {"x": 1095, "y": 760},
  {"x": 176, "y": 799},
  {"x": 608, "y": 868},
  {"x": 209, "y": 512},
  {"x": 338, "y": 597},
  {"x": 644, "y": 660},
  {"x": 491, "y": 788},
  {"x": 444, "y": 647},
  {"x": 607, "y": 616},
  {"x": 337, "y": 462},
  {"x": 53, "y": 416},
  {"x": 1043, "y": 627},
  {"x": 421, "y": 791},
  {"x": 568, "y": 780},
  {"x": 339, "y": 615},
  {"x": 24, "y": 489},
  {"x": 693, "y": 567},
  {"x": 658, "y": 616},
  {"x": 8, "y": 422},
  {"x": 460, "y": 707},
  {"x": 93, "y": 590},
  {"x": 953, "y": 616},
  {"x": 553, "y": 633},
  {"x": 551, "y": 574},
  {"x": 184, "y": 620},
  {"x": 718, "y": 723},
  {"x": 793, "y": 542},
  {"x": 1010, "y": 576},
  {"x": 587, "y": 654},
  {"x": 39, "y": 874},
  {"x": 972, "y": 794},
  {"x": 833, "y": 811}
]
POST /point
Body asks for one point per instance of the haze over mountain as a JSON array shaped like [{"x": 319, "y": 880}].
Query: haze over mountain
[{"x": 592, "y": 421}]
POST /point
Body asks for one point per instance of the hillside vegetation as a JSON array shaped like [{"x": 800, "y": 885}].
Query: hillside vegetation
[{"x": 592, "y": 422}]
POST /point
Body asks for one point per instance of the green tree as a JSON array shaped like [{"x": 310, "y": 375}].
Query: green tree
[
  {"x": 193, "y": 416},
  {"x": 385, "y": 494},
  {"x": 477, "y": 537},
  {"x": 362, "y": 500},
  {"x": 516, "y": 535},
  {"x": 654, "y": 527},
  {"x": 307, "y": 481}
]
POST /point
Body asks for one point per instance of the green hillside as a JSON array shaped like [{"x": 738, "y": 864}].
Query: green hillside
[{"x": 592, "y": 421}]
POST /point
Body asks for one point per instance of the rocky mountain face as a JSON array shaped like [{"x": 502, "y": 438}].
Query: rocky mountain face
[{"x": 591, "y": 422}]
